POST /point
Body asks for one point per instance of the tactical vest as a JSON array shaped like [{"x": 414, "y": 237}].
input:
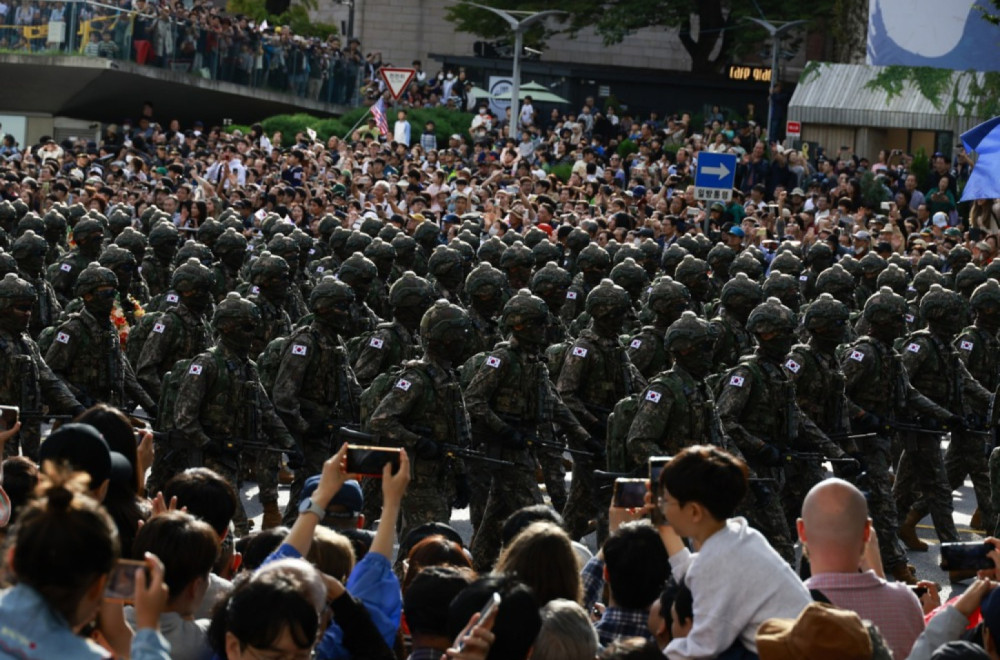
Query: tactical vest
[
  {"x": 769, "y": 414},
  {"x": 939, "y": 376},
  {"x": 823, "y": 401}
]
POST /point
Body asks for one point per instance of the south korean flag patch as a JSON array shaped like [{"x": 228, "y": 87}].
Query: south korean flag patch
[
  {"x": 255, "y": 290},
  {"x": 736, "y": 381},
  {"x": 636, "y": 343},
  {"x": 909, "y": 318},
  {"x": 172, "y": 298},
  {"x": 299, "y": 349},
  {"x": 803, "y": 278},
  {"x": 403, "y": 384},
  {"x": 793, "y": 366},
  {"x": 579, "y": 351},
  {"x": 195, "y": 370},
  {"x": 320, "y": 269},
  {"x": 571, "y": 295},
  {"x": 65, "y": 268},
  {"x": 857, "y": 356},
  {"x": 492, "y": 361},
  {"x": 913, "y": 347},
  {"x": 375, "y": 342},
  {"x": 654, "y": 396},
  {"x": 965, "y": 345},
  {"x": 159, "y": 327},
  {"x": 62, "y": 338}
]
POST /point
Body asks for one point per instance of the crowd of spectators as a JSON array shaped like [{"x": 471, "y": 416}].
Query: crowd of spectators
[{"x": 706, "y": 585}]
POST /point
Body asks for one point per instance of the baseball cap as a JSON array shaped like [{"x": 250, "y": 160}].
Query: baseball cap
[
  {"x": 959, "y": 650},
  {"x": 798, "y": 191},
  {"x": 419, "y": 533},
  {"x": 737, "y": 231},
  {"x": 953, "y": 231},
  {"x": 821, "y": 632},
  {"x": 940, "y": 219},
  {"x": 862, "y": 235},
  {"x": 349, "y": 496},
  {"x": 84, "y": 449}
]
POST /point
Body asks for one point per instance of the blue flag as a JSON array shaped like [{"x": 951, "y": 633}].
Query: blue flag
[{"x": 984, "y": 182}]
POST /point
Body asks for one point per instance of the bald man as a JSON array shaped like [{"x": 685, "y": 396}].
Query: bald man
[{"x": 834, "y": 529}]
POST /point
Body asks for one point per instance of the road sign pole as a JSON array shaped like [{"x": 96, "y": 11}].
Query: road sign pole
[{"x": 515, "y": 92}]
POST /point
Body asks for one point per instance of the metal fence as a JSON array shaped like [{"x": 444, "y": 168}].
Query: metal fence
[{"x": 233, "y": 52}]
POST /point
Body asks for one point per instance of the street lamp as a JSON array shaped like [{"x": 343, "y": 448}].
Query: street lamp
[
  {"x": 528, "y": 18},
  {"x": 777, "y": 32}
]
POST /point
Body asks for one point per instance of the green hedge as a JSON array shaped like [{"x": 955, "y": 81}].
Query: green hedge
[{"x": 446, "y": 123}]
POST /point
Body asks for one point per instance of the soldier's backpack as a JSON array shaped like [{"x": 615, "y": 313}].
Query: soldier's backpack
[
  {"x": 470, "y": 367},
  {"x": 138, "y": 335},
  {"x": 619, "y": 422},
  {"x": 379, "y": 388},
  {"x": 555, "y": 356},
  {"x": 170, "y": 385},
  {"x": 269, "y": 362}
]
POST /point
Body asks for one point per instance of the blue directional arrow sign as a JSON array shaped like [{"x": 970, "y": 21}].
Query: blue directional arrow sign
[{"x": 713, "y": 180}]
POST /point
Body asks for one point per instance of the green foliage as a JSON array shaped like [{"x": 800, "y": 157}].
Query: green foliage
[
  {"x": 627, "y": 147},
  {"x": 562, "y": 170},
  {"x": 296, "y": 17},
  {"x": 921, "y": 164},
  {"x": 446, "y": 122},
  {"x": 713, "y": 32},
  {"x": 993, "y": 18},
  {"x": 873, "y": 193},
  {"x": 941, "y": 87}
]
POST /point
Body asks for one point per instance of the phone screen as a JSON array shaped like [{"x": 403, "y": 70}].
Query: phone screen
[
  {"x": 8, "y": 417},
  {"x": 121, "y": 581},
  {"x": 629, "y": 493},
  {"x": 368, "y": 461}
]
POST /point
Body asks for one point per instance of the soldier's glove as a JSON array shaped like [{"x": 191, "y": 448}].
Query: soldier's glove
[
  {"x": 850, "y": 467},
  {"x": 152, "y": 410},
  {"x": 769, "y": 456},
  {"x": 296, "y": 459},
  {"x": 462, "y": 492},
  {"x": 871, "y": 423},
  {"x": 596, "y": 447},
  {"x": 955, "y": 423},
  {"x": 427, "y": 449},
  {"x": 512, "y": 438}
]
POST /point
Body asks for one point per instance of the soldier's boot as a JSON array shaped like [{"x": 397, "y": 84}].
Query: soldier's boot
[
  {"x": 285, "y": 476},
  {"x": 272, "y": 515},
  {"x": 903, "y": 572},
  {"x": 977, "y": 520},
  {"x": 908, "y": 532}
]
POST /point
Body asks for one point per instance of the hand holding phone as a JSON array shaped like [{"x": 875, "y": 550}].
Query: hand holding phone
[{"x": 368, "y": 461}]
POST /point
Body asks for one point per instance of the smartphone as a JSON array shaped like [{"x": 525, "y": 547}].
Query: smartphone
[
  {"x": 966, "y": 556},
  {"x": 692, "y": 212},
  {"x": 656, "y": 465},
  {"x": 485, "y": 613},
  {"x": 121, "y": 581},
  {"x": 368, "y": 461},
  {"x": 629, "y": 493},
  {"x": 886, "y": 206},
  {"x": 8, "y": 416},
  {"x": 918, "y": 591}
]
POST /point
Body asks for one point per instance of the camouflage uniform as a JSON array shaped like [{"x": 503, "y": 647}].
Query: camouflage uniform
[
  {"x": 677, "y": 408},
  {"x": 87, "y": 353},
  {"x": 757, "y": 405},
  {"x": 512, "y": 400},
  {"x": 595, "y": 375},
  {"x": 29, "y": 250},
  {"x": 315, "y": 391},
  {"x": 182, "y": 332},
  {"x": 230, "y": 249},
  {"x": 359, "y": 273},
  {"x": 739, "y": 297},
  {"x": 937, "y": 371},
  {"x": 593, "y": 263},
  {"x": 156, "y": 265},
  {"x": 88, "y": 234},
  {"x": 26, "y": 381},
  {"x": 666, "y": 300},
  {"x": 425, "y": 410},
  {"x": 484, "y": 290},
  {"x": 221, "y": 404},
  {"x": 879, "y": 389},
  {"x": 269, "y": 276}
]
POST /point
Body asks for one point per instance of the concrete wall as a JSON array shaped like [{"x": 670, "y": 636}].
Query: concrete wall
[{"x": 405, "y": 30}]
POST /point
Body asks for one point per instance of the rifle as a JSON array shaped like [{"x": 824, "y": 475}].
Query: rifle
[
  {"x": 544, "y": 445},
  {"x": 815, "y": 457},
  {"x": 451, "y": 451},
  {"x": 845, "y": 435},
  {"x": 916, "y": 428}
]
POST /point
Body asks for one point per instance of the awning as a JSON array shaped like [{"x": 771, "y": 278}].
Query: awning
[{"x": 835, "y": 94}]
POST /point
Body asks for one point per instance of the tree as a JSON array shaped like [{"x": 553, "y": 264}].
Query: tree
[
  {"x": 295, "y": 15},
  {"x": 712, "y": 32}
]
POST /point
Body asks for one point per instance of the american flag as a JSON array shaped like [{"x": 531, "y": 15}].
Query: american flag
[{"x": 378, "y": 112}]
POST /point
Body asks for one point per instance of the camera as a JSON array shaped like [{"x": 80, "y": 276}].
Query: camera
[{"x": 629, "y": 493}]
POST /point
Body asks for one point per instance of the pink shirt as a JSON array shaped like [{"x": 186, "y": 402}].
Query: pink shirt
[{"x": 891, "y": 606}]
